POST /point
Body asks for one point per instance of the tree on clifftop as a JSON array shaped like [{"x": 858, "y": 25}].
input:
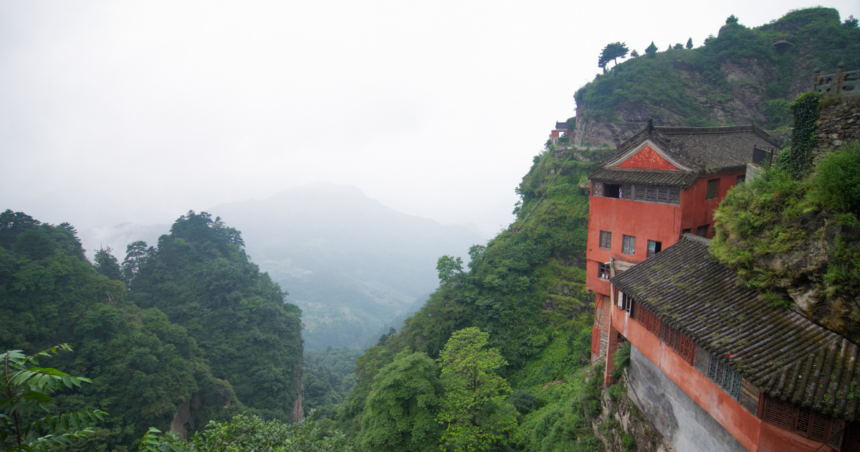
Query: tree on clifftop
[
  {"x": 651, "y": 50},
  {"x": 690, "y": 43},
  {"x": 612, "y": 52}
]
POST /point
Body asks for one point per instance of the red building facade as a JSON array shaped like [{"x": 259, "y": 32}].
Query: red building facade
[
  {"x": 733, "y": 373},
  {"x": 663, "y": 182}
]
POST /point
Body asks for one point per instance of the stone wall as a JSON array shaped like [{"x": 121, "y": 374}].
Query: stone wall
[
  {"x": 839, "y": 122},
  {"x": 681, "y": 421}
]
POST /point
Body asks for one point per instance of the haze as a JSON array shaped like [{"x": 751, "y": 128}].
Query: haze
[{"x": 116, "y": 112}]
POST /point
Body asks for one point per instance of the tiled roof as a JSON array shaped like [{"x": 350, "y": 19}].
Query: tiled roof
[
  {"x": 706, "y": 150},
  {"x": 561, "y": 125},
  {"x": 646, "y": 177},
  {"x": 779, "y": 351}
]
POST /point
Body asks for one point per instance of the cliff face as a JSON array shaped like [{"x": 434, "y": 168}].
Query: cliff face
[
  {"x": 796, "y": 240},
  {"x": 737, "y": 78}
]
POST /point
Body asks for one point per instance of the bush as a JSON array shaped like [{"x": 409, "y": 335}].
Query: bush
[
  {"x": 622, "y": 360},
  {"x": 838, "y": 182}
]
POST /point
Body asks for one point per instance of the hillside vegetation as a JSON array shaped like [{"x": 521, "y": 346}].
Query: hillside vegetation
[
  {"x": 737, "y": 77},
  {"x": 526, "y": 291},
  {"x": 142, "y": 366},
  {"x": 794, "y": 232}
]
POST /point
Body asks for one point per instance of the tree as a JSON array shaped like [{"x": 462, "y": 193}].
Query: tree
[
  {"x": 448, "y": 267},
  {"x": 731, "y": 20},
  {"x": 401, "y": 409},
  {"x": 690, "y": 43},
  {"x": 851, "y": 22},
  {"x": 12, "y": 224},
  {"x": 634, "y": 54},
  {"x": 651, "y": 51},
  {"x": 106, "y": 264},
  {"x": 678, "y": 46},
  {"x": 474, "y": 411},
  {"x": 612, "y": 52},
  {"x": 135, "y": 254},
  {"x": 26, "y": 392}
]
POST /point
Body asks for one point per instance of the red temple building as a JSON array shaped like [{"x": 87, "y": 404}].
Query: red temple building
[
  {"x": 663, "y": 182},
  {"x": 712, "y": 366}
]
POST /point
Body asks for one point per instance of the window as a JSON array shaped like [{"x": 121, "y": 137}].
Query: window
[
  {"x": 665, "y": 195},
  {"x": 606, "y": 240},
  {"x": 686, "y": 231},
  {"x": 603, "y": 270},
  {"x": 597, "y": 189},
  {"x": 724, "y": 377},
  {"x": 654, "y": 247},
  {"x": 806, "y": 423},
  {"x": 625, "y": 302},
  {"x": 612, "y": 190},
  {"x": 713, "y": 188},
  {"x": 628, "y": 245},
  {"x": 741, "y": 179},
  {"x": 702, "y": 231}
]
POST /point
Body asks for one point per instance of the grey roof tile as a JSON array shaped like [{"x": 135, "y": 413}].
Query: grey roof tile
[
  {"x": 779, "y": 351},
  {"x": 707, "y": 150}
]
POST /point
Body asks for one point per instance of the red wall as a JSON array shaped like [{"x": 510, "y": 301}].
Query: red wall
[
  {"x": 643, "y": 220},
  {"x": 696, "y": 210},
  {"x": 647, "y": 158},
  {"x": 742, "y": 424},
  {"x": 750, "y": 431}
]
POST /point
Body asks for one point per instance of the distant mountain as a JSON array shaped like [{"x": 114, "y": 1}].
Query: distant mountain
[{"x": 312, "y": 227}]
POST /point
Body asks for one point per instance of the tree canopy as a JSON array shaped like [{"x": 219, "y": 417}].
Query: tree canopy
[{"x": 612, "y": 52}]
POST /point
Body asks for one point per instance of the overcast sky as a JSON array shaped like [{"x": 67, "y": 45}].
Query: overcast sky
[{"x": 116, "y": 112}]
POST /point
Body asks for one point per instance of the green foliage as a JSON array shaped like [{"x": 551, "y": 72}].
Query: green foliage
[
  {"x": 651, "y": 50},
  {"x": 838, "y": 181},
  {"x": 328, "y": 376},
  {"x": 524, "y": 290},
  {"x": 200, "y": 276},
  {"x": 689, "y": 43},
  {"x": 763, "y": 226},
  {"x": 448, "y": 268},
  {"x": 142, "y": 366},
  {"x": 627, "y": 441},
  {"x": 473, "y": 410},
  {"x": 563, "y": 423},
  {"x": 401, "y": 408},
  {"x": 731, "y": 20},
  {"x": 26, "y": 419},
  {"x": 622, "y": 359},
  {"x": 616, "y": 392},
  {"x": 612, "y": 52},
  {"x": 805, "y": 109},
  {"x": 249, "y": 434},
  {"x": 106, "y": 264},
  {"x": 690, "y": 84}
]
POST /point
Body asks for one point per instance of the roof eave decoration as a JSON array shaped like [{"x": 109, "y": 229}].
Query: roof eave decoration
[{"x": 647, "y": 143}]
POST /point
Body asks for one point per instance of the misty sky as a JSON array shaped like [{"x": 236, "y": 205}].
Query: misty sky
[{"x": 139, "y": 111}]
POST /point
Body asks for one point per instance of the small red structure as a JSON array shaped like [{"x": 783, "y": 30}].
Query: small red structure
[{"x": 561, "y": 130}]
